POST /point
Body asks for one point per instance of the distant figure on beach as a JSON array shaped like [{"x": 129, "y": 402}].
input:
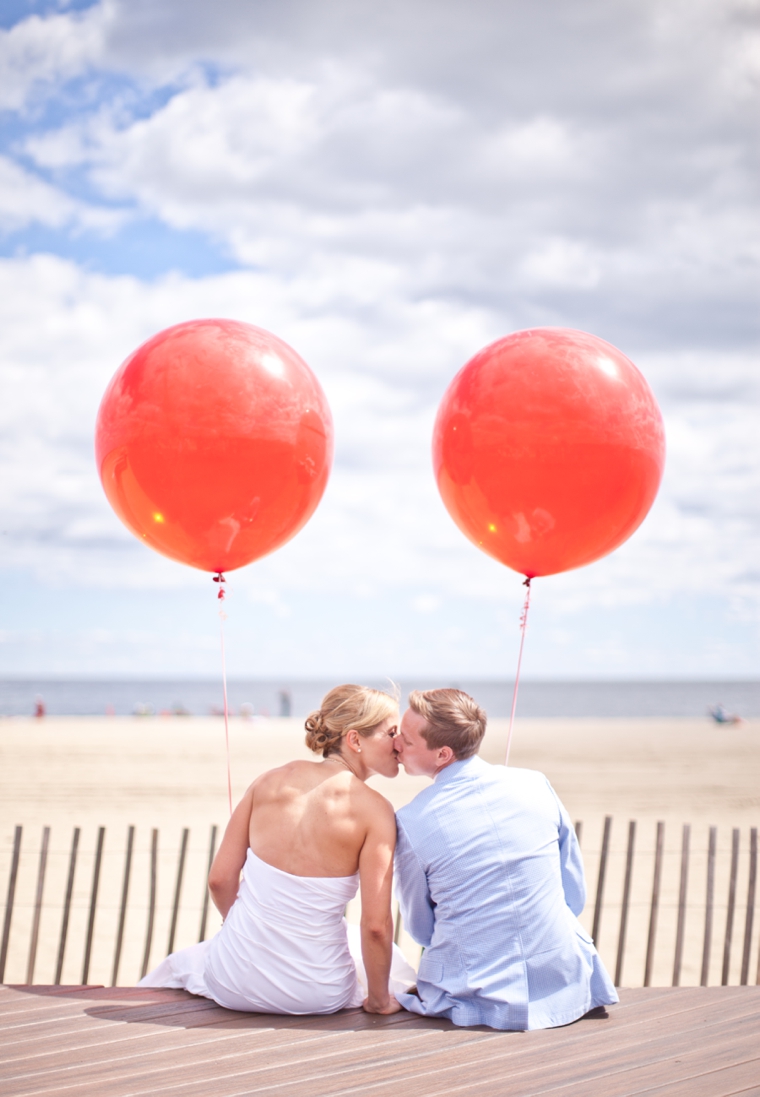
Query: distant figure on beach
[
  {"x": 286, "y": 703},
  {"x": 490, "y": 880},
  {"x": 306, "y": 836},
  {"x": 39, "y": 708},
  {"x": 720, "y": 716}
]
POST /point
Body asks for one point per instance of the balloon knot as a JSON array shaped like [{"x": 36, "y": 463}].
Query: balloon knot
[
  {"x": 526, "y": 607},
  {"x": 219, "y": 578}
]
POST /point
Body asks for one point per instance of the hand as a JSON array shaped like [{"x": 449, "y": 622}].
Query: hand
[{"x": 391, "y": 1006}]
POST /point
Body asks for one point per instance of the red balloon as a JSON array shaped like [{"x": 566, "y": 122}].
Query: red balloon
[
  {"x": 548, "y": 449},
  {"x": 214, "y": 442}
]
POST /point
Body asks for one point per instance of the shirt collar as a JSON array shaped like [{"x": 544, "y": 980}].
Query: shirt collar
[{"x": 464, "y": 767}]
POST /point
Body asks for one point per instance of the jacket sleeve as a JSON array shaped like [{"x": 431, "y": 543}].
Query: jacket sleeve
[
  {"x": 571, "y": 861},
  {"x": 417, "y": 908}
]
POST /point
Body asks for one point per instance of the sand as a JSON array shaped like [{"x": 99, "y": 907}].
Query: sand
[{"x": 169, "y": 773}]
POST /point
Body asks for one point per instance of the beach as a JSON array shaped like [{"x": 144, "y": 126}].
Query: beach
[{"x": 169, "y": 773}]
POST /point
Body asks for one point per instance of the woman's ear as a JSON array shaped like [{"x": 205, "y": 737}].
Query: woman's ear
[{"x": 353, "y": 740}]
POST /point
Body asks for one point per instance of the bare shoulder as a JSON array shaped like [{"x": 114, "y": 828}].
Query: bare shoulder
[
  {"x": 377, "y": 810},
  {"x": 294, "y": 774}
]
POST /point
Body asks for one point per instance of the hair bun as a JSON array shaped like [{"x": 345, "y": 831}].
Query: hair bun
[
  {"x": 317, "y": 734},
  {"x": 344, "y": 708}
]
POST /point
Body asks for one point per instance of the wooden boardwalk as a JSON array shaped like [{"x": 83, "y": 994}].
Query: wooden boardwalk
[{"x": 125, "y": 1042}]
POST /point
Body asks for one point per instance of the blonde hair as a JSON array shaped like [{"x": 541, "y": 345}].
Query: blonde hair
[
  {"x": 343, "y": 709},
  {"x": 453, "y": 720}
]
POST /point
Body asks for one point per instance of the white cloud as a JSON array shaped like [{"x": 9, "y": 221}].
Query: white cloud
[
  {"x": 26, "y": 199},
  {"x": 398, "y": 200},
  {"x": 37, "y": 53}
]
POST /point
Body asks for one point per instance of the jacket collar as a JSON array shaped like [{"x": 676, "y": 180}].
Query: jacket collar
[{"x": 461, "y": 770}]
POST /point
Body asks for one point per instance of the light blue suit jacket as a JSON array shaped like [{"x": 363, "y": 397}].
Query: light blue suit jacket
[{"x": 490, "y": 881}]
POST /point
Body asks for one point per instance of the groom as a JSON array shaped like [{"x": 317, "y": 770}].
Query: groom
[{"x": 490, "y": 881}]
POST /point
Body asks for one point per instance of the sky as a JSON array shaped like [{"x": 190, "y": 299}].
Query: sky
[{"x": 388, "y": 187}]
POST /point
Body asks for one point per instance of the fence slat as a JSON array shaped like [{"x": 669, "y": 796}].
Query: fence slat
[
  {"x": 93, "y": 905},
  {"x": 750, "y": 915},
  {"x": 67, "y": 905},
  {"x": 731, "y": 907},
  {"x": 178, "y": 889},
  {"x": 626, "y": 900},
  {"x": 35, "y": 934},
  {"x": 151, "y": 900},
  {"x": 709, "y": 897},
  {"x": 578, "y": 830},
  {"x": 204, "y": 911},
  {"x": 9, "y": 900},
  {"x": 600, "y": 879},
  {"x": 397, "y": 925},
  {"x": 653, "y": 911},
  {"x": 123, "y": 907},
  {"x": 682, "y": 892}
]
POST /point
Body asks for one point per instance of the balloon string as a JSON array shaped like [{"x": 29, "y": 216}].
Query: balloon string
[
  {"x": 219, "y": 578},
  {"x": 523, "y": 627}
]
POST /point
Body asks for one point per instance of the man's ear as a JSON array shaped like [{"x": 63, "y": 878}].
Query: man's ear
[{"x": 445, "y": 755}]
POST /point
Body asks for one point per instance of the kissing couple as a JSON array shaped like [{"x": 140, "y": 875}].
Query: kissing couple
[{"x": 488, "y": 874}]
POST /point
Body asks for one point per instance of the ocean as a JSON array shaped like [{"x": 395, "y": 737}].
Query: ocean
[{"x": 293, "y": 697}]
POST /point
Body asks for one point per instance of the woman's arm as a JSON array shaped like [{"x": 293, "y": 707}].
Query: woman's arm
[
  {"x": 224, "y": 877},
  {"x": 376, "y": 879}
]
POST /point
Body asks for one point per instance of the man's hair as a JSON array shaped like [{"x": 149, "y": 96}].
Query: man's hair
[{"x": 452, "y": 719}]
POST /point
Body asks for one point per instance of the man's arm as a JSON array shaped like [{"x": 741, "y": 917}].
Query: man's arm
[
  {"x": 571, "y": 861},
  {"x": 417, "y": 908}
]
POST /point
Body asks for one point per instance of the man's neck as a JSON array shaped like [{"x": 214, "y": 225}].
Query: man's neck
[{"x": 441, "y": 768}]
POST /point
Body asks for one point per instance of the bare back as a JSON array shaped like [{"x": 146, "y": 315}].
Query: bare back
[
  {"x": 318, "y": 819},
  {"x": 309, "y": 820}
]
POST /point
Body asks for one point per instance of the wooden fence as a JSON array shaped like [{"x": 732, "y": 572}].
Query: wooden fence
[{"x": 133, "y": 898}]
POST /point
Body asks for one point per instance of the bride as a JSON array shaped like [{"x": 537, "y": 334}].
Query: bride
[{"x": 307, "y": 836}]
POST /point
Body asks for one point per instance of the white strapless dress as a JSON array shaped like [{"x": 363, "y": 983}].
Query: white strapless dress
[{"x": 284, "y": 947}]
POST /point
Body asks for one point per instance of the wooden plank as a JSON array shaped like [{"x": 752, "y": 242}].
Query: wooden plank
[
  {"x": 644, "y": 1019},
  {"x": 101, "y": 1040},
  {"x": 655, "y": 905},
  {"x": 123, "y": 906},
  {"x": 178, "y": 889},
  {"x": 204, "y": 910},
  {"x": 625, "y": 902},
  {"x": 611, "y": 1065},
  {"x": 67, "y": 905},
  {"x": 444, "y": 1062},
  {"x": 9, "y": 900},
  {"x": 35, "y": 934},
  {"x": 141, "y": 1013},
  {"x": 362, "y": 1057},
  {"x": 750, "y": 912},
  {"x": 212, "y": 1058},
  {"x": 600, "y": 879},
  {"x": 93, "y": 904},
  {"x": 550, "y": 1036},
  {"x": 682, "y": 894},
  {"x": 286, "y": 1039},
  {"x": 110, "y": 1040},
  {"x": 151, "y": 901},
  {"x": 730, "y": 906},
  {"x": 578, "y": 828},
  {"x": 711, "y": 847},
  {"x": 690, "y": 1074}
]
